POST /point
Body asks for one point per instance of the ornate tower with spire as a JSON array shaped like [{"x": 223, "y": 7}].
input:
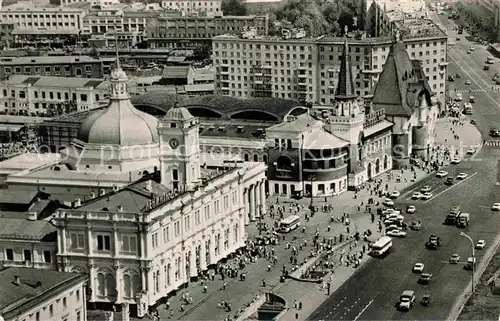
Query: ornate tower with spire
[{"x": 347, "y": 118}]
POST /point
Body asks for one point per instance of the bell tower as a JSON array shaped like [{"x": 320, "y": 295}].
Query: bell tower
[{"x": 179, "y": 149}]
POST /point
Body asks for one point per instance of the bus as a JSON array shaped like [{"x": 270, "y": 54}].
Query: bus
[
  {"x": 289, "y": 223},
  {"x": 468, "y": 109},
  {"x": 382, "y": 246}
]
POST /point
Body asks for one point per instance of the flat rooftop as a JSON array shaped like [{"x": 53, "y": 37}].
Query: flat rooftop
[
  {"x": 46, "y": 60},
  {"x": 419, "y": 28},
  {"x": 28, "y": 161},
  {"x": 57, "y": 82}
]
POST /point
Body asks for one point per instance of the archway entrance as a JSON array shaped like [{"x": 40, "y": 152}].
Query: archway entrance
[
  {"x": 369, "y": 171},
  {"x": 377, "y": 166},
  {"x": 385, "y": 162}
]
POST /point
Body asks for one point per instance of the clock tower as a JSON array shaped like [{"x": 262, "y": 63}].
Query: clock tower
[{"x": 179, "y": 149}]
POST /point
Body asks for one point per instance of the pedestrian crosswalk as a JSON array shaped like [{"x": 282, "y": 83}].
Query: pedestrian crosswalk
[
  {"x": 473, "y": 90},
  {"x": 495, "y": 143}
]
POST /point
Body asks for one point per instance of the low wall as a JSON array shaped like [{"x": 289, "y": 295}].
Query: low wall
[{"x": 252, "y": 308}]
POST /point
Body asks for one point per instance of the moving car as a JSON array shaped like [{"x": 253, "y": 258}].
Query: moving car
[
  {"x": 442, "y": 174},
  {"x": 471, "y": 261},
  {"x": 449, "y": 181},
  {"x": 416, "y": 225},
  {"x": 454, "y": 259},
  {"x": 494, "y": 132},
  {"x": 388, "y": 202},
  {"x": 471, "y": 151},
  {"x": 456, "y": 161},
  {"x": 486, "y": 67},
  {"x": 451, "y": 79},
  {"x": 425, "y": 278},
  {"x": 472, "y": 99},
  {"x": 406, "y": 300},
  {"x": 396, "y": 233},
  {"x": 418, "y": 268},
  {"x": 459, "y": 96},
  {"x": 427, "y": 196},
  {"x": 416, "y": 195},
  {"x": 480, "y": 244},
  {"x": 394, "y": 194},
  {"x": 392, "y": 227},
  {"x": 467, "y": 82},
  {"x": 433, "y": 243},
  {"x": 471, "y": 48},
  {"x": 426, "y": 189},
  {"x": 461, "y": 176},
  {"x": 496, "y": 207},
  {"x": 410, "y": 209}
]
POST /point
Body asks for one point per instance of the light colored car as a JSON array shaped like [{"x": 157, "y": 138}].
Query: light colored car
[
  {"x": 442, "y": 174},
  {"x": 427, "y": 196},
  {"x": 418, "y": 268},
  {"x": 394, "y": 194},
  {"x": 471, "y": 48},
  {"x": 454, "y": 259},
  {"x": 471, "y": 151},
  {"x": 426, "y": 189},
  {"x": 459, "y": 97},
  {"x": 410, "y": 209},
  {"x": 388, "y": 202},
  {"x": 461, "y": 176},
  {"x": 416, "y": 195},
  {"x": 456, "y": 161},
  {"x": 425, "y": 278},
  {"x": 396, "y": 233},
  {"x": 496, "y": 207},
  {"x": 467, "y": 82},
  {"x": 392, "y": 227},
  {"x": 480, "y": 244}
]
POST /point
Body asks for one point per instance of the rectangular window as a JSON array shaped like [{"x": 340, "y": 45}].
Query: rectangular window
[
  {"x": 47, "y": 256},
  {"x": 77, "y": 241},
  {"x": 22, "y": 94},
  {"x": 103, "y": 243},
  {"x": 197, "y": 217},
  {"x": 206, "y": 211},
  {"x": 177, "y": 228},
  {"x": 129, "y": 243},
  {"x": 154, "y": 240},
  {"x": 51, "y": 310},
  {"x": 9, "y": 253},
  {"x": 217, "y": 207},
  {"x": 77, "y": 295},
  {"x": 234, "y": 197},
  {"x": 65, "y": 303},
  {"x": 79, "y": 316},
  {"x": 37, "y": 316},
  {"x": 226, "y": 202},
  {"x": 166, "y": 234},
  {"x": 187, "y": 223},
  {"x": 83, "y": 97},
  {"x": 27, "y": 255}
]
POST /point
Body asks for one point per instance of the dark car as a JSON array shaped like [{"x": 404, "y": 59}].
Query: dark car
[
  {"x": 494, "y": 132},
  {"x": 486, "y": 67},
  {"x": 425, "y": 278},
  {"x": 451, "y": 79},
  {"x": 457, "y": 76},
  {"x": 449, "y": 181}
]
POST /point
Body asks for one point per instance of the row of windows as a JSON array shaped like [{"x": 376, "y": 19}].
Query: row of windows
[
  {"x": 51, "y": 312},
  {"x": 21, "y": 94},
  {"x": 251, "y": 46},
  {"x": 27, "y": 255},
  {"x": 47, "y": 69}
]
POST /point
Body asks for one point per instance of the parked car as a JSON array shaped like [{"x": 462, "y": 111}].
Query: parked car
[
  {"x": 416, "y": 225},
  {"x": 480, "y": 244},
  {"x": 410, "y": 209},
  {"x": 418, "y": 268},
  {"x": 454, "y": 259}
]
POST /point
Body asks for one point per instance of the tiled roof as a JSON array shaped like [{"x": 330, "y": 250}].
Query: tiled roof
[
  {"x": 14, "y": 197},
  {"x": 345, "y": 87},
  {"x": 33, "y": 283},
  {"x": 400, "y": 84},
  {"x": 176, "y": 72},
  {"x": 13, "y": 228},
  {"x": 320, "y": 139}
]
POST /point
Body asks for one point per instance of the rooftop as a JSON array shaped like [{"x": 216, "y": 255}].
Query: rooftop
[
  {"x": 32, "y": 284},
  {"x": 13, "y": 228},
  {"x": 233, "y": 131},
  {"x": 320, "y": 139},
  {"x": 412, "y": 28},
  {"x": 14, "y": 197},
  {"x": 27, "y": 161},
  {"x": 46, "y": 60},
  {"x": 295, "y": 126},
  {"x": 76, "y": 117},
  {"x": 28, "y": 6},
  {"x": 57, "y": 82}
]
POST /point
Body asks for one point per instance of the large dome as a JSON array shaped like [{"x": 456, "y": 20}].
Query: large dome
[{"x": 119, "y": 124}]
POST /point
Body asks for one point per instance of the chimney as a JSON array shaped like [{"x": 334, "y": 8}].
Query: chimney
[
  {"x": 32, "y": 216},
  {"x": 102, "y": 192},
  {"x": 120, "y": 208},
  {"x": 17, "y": 280},
  {"x": 77, "y": 203},
  {"x": 92, "y": 195}
]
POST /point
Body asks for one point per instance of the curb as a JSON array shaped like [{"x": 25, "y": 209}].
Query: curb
[{"x": 466, "y": 294}]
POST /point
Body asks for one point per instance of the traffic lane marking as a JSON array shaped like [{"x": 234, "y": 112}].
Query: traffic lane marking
[
  {"x": 452, "y": 186},
  {"x": 364, "y": 309},
  {"x": 436, "y": 183},
  {"x": 340, "y": 311}
]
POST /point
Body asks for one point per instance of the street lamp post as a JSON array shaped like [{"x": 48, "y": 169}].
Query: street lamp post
[
  {"x": 311, "y": 179},
  {"x": 473, "y": 256}
]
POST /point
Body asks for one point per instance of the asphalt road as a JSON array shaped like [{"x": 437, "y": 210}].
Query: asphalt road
[{"x": 372, "y": 293}]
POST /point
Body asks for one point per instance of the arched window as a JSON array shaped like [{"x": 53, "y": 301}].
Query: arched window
[
  {"x": 247, "y": 158},
  {"x": 101, "y": 284},
  {"x": 169, "y": 274},
  {"x": 264, "y": 159},
  {"x": 226, "y": 239},
  {"x": 136, "y": 285},
  {"x": 157, "y": 284},
  {"x": 127, "y": 286},
  {"x": 110, "y": 285},
  {"x": 235, "y": 233},
  {"x": 255, "y": 158}
]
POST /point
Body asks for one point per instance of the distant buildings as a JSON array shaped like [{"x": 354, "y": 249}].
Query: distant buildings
[
  {"x": 179, "y": 30},
  {"x": 60, "y": 66},
  {"x": 193, "y": 5},
  {"x": 46, "y": 95},
  {"x": 306, "y": 69},
  {"x": 33, "y": 294}
]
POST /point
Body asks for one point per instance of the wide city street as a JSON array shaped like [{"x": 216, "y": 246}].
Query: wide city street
[{"x": 373, "y": 292}]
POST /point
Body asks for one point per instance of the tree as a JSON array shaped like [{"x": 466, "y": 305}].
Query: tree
[
  {"x": 234, "y": 8},
  {"x": 202, "y": 52}
]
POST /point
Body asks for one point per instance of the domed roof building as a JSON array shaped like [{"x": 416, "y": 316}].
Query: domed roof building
[{"x": 118, "y": 138}]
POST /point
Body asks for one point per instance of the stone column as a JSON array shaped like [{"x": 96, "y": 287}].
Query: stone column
[
  {"x": 192, "y": 264},
  {"x": 118, "y": 282},
  {"x": 252, "y": 203},
  {"x": 144, "y": 279},
  {"x": 263, "y": 196},
  {"x": 92, "y": 282},
  {"x": 90, "y": 244},
  {"x": 63, "y": 244},
  {"x": 246, "y": 204},
  {"x": 203, "y": 258},
  {"x": 116, "y": 242},
  {"x": 256, "y": 192}
]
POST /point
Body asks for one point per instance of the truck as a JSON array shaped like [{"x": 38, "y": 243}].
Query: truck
[
  {"x": 451, "y": 218},
  {"x": 433, "y": 243},
  {"x": 463, "y": 220},
  {"x": 406, "y": 300},
  {"x": 460, "y": 29}
]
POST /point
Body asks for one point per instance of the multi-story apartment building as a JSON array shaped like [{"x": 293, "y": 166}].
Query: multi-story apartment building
[
  {"x": 28, "y": 19},
  {"x": 28, "y": 243},
  {"x": 59, "y": 66},
  {"x": 117, "y": 18},
  {"x": 178, "y": 30},
  {"x": 193, "y": 5},
  {"x": 306, "y": 69},
  {"x": 32, "y": 95},
  {"x": 32, "y": 294}
]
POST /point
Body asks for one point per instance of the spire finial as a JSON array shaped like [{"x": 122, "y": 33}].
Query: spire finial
[
  {"x": 346, "y": 30},
  {"x": 116, "y": 49}
]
